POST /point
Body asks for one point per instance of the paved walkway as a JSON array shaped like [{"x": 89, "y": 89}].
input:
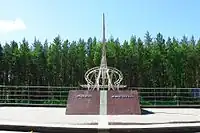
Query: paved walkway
[{"x": 55, "y": 117}]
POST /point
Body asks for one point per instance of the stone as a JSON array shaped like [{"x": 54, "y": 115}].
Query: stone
[
  {"x": 124, "y": 102},
  {"x": 83, "y": 102}
]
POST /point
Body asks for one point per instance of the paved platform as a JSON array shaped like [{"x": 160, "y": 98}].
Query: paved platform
[{"x": 152, "y": 118}]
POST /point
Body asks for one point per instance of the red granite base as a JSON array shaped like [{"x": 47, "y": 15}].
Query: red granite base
[
  {"x": 124, "y": 102},
  {"x": 83, "y": 102}
]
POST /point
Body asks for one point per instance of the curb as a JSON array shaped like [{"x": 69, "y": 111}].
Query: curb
[{"x": 42, "y": 129}]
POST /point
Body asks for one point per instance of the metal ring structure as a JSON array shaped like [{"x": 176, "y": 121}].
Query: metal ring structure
[{"x": 114, "y": 75}]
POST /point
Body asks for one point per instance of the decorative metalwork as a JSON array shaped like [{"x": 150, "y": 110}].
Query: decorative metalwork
[{"x": 103, "y": 76}]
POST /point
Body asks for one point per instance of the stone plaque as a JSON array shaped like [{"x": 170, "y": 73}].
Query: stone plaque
[
  {"x": 83, "y": 102},
  {"x": 125, "y": 102}
]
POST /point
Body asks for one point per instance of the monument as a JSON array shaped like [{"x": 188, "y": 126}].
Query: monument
[{"x": 104, "y": 95}]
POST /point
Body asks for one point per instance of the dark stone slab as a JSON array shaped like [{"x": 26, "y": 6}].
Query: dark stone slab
[
  {"x": 154, "y": 123},
  {"x": 94, "y": 123},
  {"x": 124, "y": 102},
  {"x": 83, "y": 102}
]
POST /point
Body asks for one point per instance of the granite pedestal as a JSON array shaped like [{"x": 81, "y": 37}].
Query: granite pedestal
[{"x": 103, "y": 102}]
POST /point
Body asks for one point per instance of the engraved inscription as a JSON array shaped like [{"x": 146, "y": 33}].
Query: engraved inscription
[
  {"x": 122, "y": 96},
  {"x": 83, "y": 96}
]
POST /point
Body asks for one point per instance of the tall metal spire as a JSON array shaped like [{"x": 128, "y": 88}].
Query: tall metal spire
[
  {"x": 103, "y": 76},
  {"x": 103, "y": 58}
]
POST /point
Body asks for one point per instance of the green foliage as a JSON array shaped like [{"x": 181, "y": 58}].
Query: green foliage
[
  {"x": 149, "y": 63},
  {"x": 55, "y": 101}
]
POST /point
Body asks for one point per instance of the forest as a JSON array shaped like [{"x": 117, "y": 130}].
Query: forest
[{"x": 152, "y": 62}]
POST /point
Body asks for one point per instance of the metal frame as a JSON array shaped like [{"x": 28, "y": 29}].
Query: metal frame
[
  {"x": 103, "y": 76},
  {"x": 57, "y": 96},
  {"x": 112, "y": 75}
]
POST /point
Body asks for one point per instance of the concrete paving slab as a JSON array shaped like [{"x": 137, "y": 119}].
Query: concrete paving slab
[{"x": 55, "y": 117}]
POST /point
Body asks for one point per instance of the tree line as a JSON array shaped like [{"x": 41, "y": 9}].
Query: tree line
[{"x": 152, "y": 62}]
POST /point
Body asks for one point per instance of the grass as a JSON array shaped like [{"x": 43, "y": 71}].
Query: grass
[{"x": 142, "y": 102}]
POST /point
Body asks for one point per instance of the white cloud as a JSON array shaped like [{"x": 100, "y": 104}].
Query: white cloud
[{"x": 11, "y": 25}]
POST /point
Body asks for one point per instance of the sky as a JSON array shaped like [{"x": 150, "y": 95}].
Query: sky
[{"x": 74, "y": 19}]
